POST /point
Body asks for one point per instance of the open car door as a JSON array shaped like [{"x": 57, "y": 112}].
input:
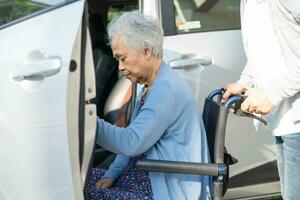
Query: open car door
[{"x": 47, "y": 124}]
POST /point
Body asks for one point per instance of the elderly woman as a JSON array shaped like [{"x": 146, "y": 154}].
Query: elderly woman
[{"x": 165, "y": 124}]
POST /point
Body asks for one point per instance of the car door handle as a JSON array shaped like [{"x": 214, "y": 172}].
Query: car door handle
[
  {"x": 187, "y": 62},
  {"x": 35, "y": 69}
]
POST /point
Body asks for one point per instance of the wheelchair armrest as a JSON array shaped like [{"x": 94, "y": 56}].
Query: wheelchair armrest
[{"x": 210, "y": 169}]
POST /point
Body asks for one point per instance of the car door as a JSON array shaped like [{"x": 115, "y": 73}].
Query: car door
[
  {"x": 203, "y": 44},
  {"x": 47, "y": 80}
]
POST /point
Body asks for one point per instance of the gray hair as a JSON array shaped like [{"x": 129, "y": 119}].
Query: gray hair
[{"x": 139, "y": 32}]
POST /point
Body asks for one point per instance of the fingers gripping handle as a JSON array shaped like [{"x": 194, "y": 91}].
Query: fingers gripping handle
[
  {"x": 235, "y": 103},
  {"x": 239, "y": 112}
]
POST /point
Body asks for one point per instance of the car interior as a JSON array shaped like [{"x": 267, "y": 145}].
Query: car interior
[{"x": 114, "y": 97}]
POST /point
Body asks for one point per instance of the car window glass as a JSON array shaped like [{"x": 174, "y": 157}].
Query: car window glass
[
  {"x": 206, "y": 15},
  {"x": 13, "y": 10},
  {"x": 118, "y": 9}
]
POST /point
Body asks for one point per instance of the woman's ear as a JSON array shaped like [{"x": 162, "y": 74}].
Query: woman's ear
[{"x": 148, "y": 53}]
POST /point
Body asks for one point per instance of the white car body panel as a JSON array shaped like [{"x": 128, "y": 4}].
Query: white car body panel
[{"x": 35, "y": 158}]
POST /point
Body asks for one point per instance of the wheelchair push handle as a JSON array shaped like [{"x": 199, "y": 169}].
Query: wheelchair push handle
[{"x": 234, "y": 103}]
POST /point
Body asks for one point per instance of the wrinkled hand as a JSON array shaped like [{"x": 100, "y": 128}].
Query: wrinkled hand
[
  {"x": 104, "y": 183},
  {"x": 256, "y": 102},
  {"x": 233, "y": 89}
]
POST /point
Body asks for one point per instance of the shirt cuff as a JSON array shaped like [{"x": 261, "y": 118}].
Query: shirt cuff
[
  {"x": 245, "y": 83},
  {"x": 112, "y": 175},
  {"x": 271, "y": 94}
]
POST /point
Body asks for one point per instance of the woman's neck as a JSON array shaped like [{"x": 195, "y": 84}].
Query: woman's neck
[{"x": 154, "y": 72}]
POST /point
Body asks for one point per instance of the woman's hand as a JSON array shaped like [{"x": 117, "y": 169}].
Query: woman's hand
[
  {"x": 104, "y": 183},
  {"x": 257, "y": 102},
  {"x": 233, "y": 89}
]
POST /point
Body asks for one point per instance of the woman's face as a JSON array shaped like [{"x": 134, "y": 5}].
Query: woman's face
[{"x": 133, "y": 65}]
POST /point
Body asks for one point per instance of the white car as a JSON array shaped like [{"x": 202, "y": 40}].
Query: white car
[{"x": 53, "y": 62}]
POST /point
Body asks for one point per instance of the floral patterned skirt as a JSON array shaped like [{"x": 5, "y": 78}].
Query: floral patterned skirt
[{"x": 132, "y": 184}]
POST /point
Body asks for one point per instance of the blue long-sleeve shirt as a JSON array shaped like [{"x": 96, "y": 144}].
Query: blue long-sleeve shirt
[{"x": 167, "y": 127}]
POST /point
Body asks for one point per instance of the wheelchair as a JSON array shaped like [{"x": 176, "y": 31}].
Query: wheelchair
[{"x": 215, "y": 113}]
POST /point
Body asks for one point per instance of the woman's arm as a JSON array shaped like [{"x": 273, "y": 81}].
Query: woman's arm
[
  {"x": 116, "y": 168},
  {"x": 286, "y": 22},
  {"x": 146, "y": 129}
]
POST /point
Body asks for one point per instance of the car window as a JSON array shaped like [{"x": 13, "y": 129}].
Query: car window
[
  {"x": 13, "y": 10},
  {"x": 118, "y": 9},
  {"x": 206, "y": 15}
]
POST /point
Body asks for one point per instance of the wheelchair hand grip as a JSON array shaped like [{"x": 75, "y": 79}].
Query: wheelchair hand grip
[{"x": 235, "y": 102}]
